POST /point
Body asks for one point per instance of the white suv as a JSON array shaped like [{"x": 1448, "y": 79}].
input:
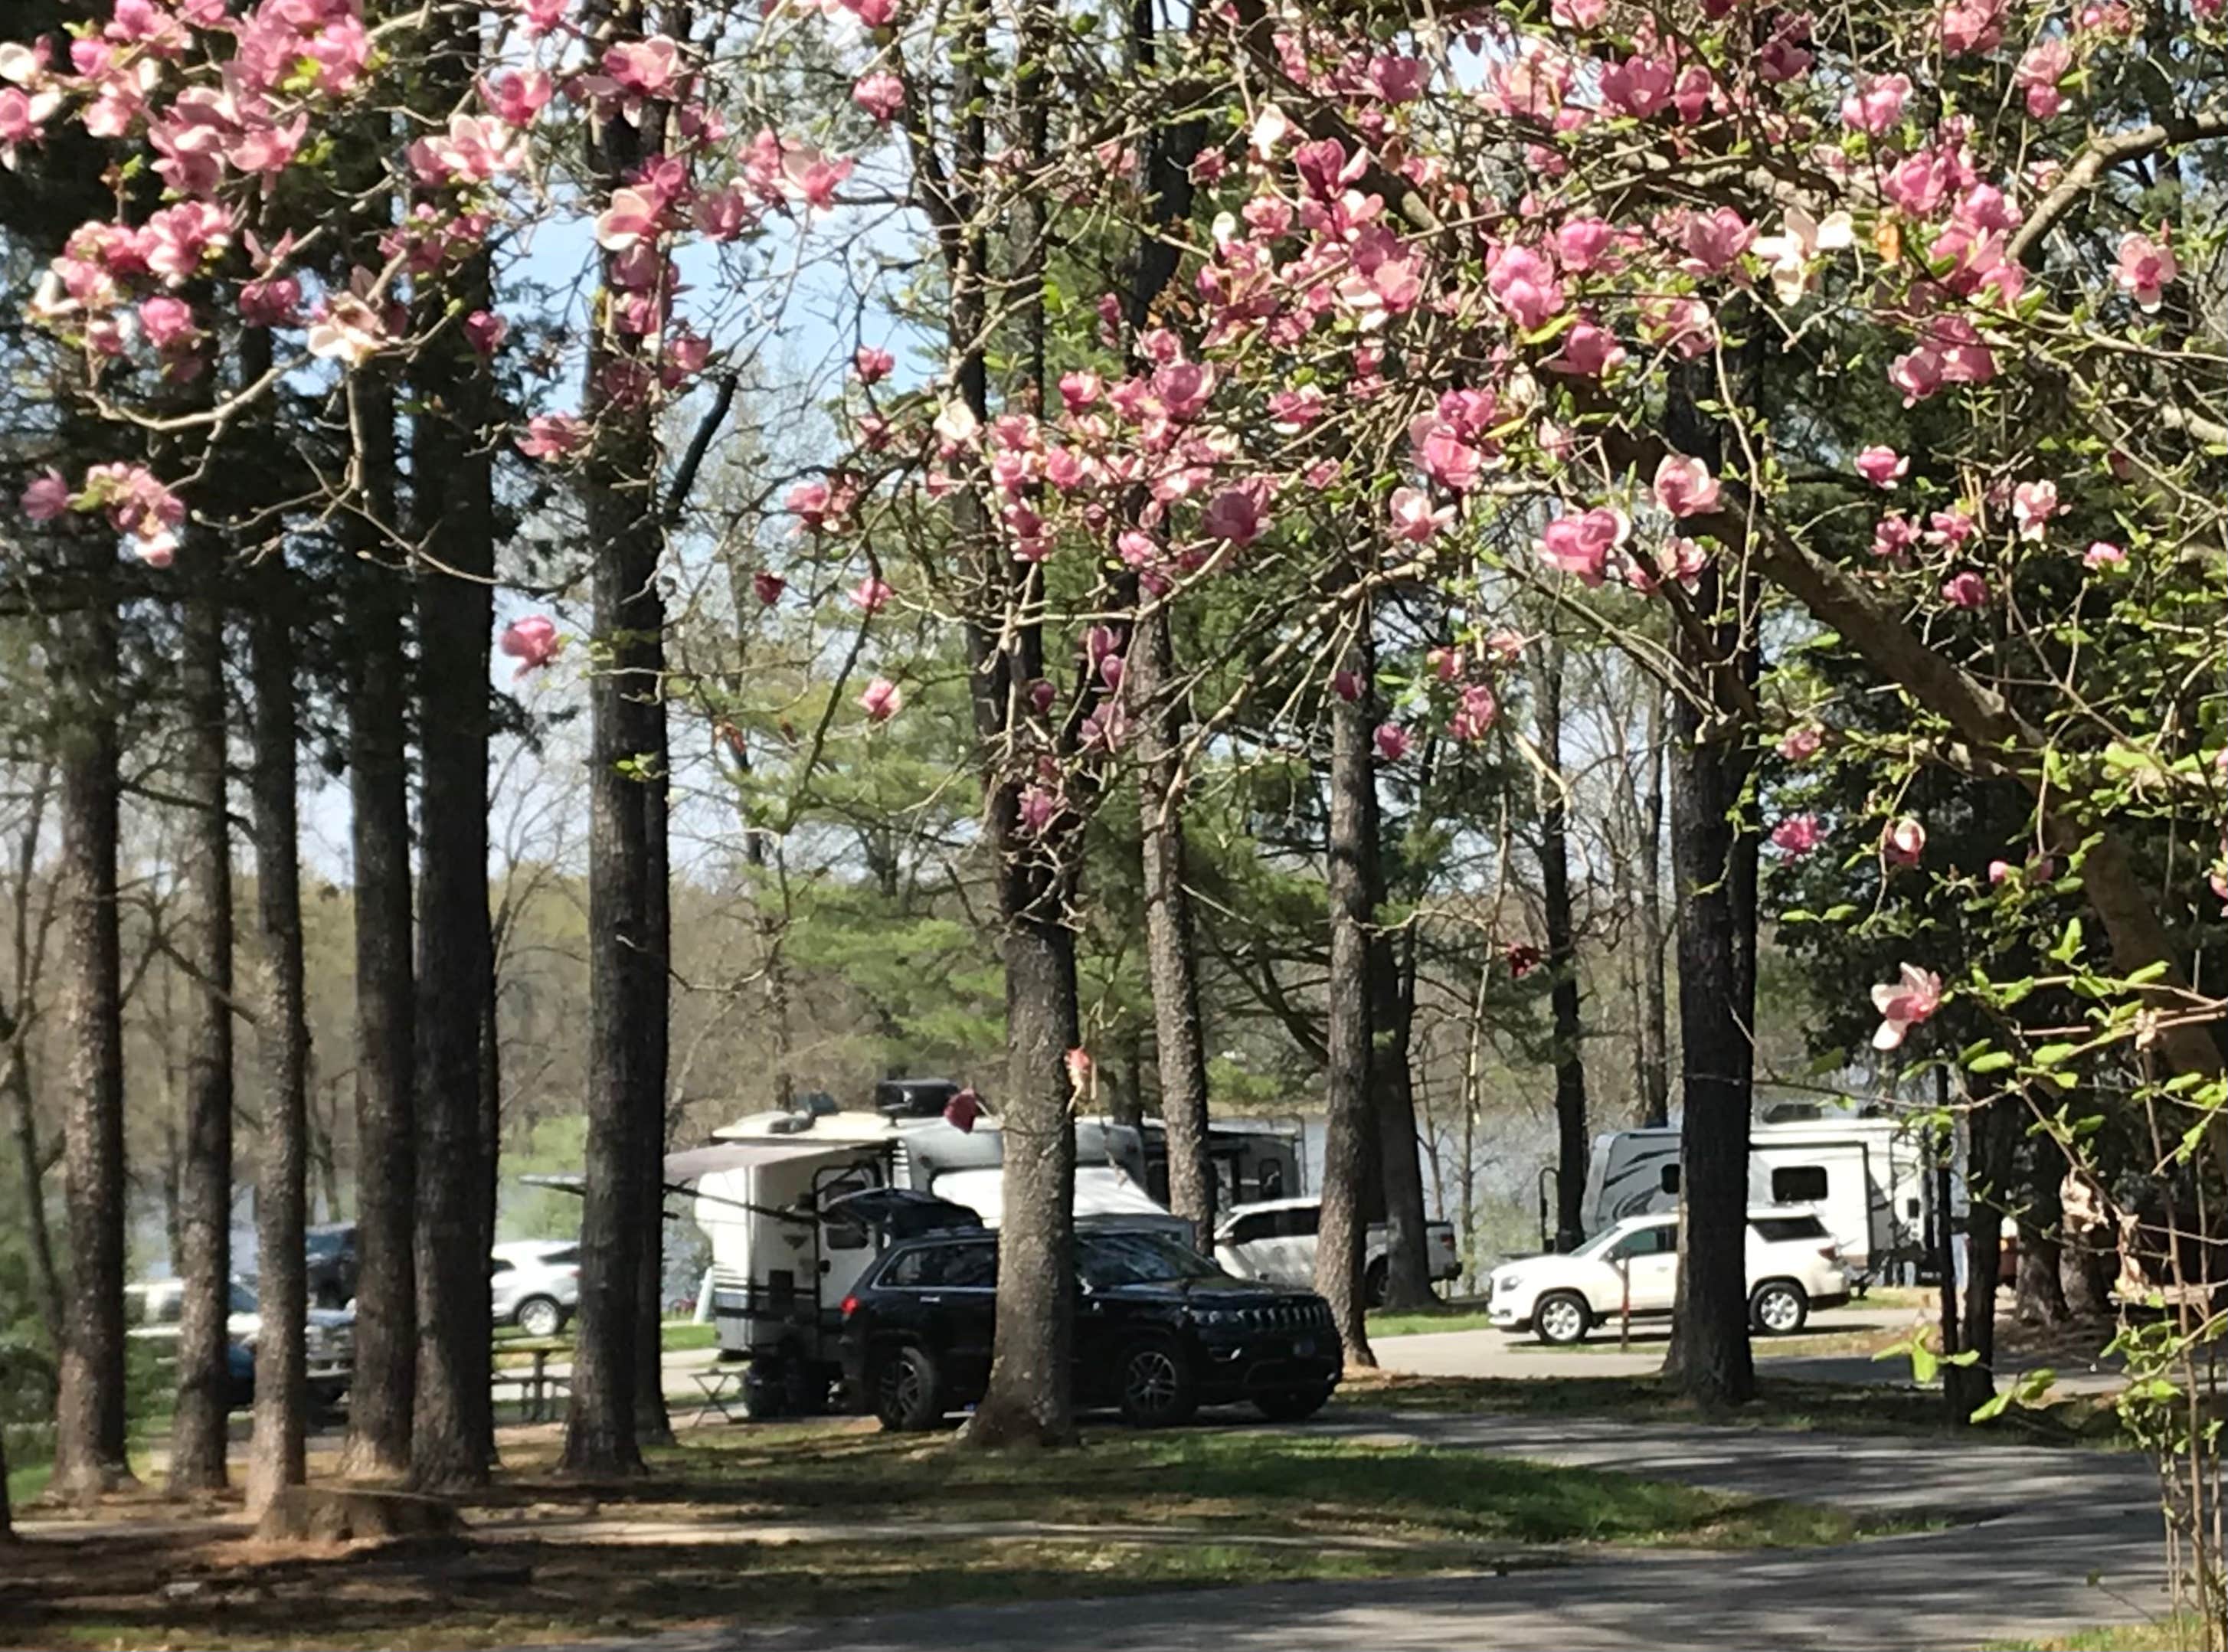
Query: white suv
[{"x": 1794, "y": 1265}]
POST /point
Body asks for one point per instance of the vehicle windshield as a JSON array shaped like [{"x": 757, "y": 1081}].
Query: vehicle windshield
[
  {"x": 1111, "y": 1259},
  {"x": 243, "y": 1299},
  {"x": 323, "y": 1246}
]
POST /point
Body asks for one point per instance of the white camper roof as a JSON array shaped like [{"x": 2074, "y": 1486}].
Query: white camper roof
[
  {"x": 721, "y": 1157},
  {"x": 1100, "y": 1190}
]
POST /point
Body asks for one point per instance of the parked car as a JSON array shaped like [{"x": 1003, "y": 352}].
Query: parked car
[
  {"x": 1794, "y": 1265},
  {"x": 1160, "y": 1331},
  {"x": 1275, "y": 1239},
  {"x": 153, "y": 1309},
  {"x": 534, "y": 1284},
  {"x": 330, "y": 1252}
]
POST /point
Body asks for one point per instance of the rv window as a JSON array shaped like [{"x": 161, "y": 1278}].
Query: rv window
[
  {"x": 1776, "y": 1230},
  {"x": 1668, "y": 1178},
  {"x": 1798, "y": 1184},
  {"x": 1910, "y": 1208},
  {"x": 1272, "y": 1181},
  {"x": 1299, "y": 1222},
  {"x": 1248, "y": 1229}
]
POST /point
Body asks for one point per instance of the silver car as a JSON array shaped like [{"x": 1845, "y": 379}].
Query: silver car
[{"x": 534, "y": 1284}]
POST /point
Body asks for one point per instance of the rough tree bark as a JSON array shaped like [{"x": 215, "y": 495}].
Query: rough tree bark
[
  {"x": 2039, "y": 1297},
  {"x": 276, "y": 1458},
  {"x": 380, "y": 1398},
  {"x": 1343, "y": 1229},
  {"x": 204, "y": 1255},
  {"x": 1714, "y": 863},
  {"x": 1991, "y": 1138},
  {"x": 1028, "y": 1399},
  {"x": 1654, "y": 1028},
  {"x": 1171, "y": 949},
  {"x": 1572, "y": 1149},
  {"x": 1406, "y": 1279},
  {"x": 652, "y": 1425},
  {"x": 452, "y": 1433},
  {"x": 89, "y": 1415},
  {"x": 625, "y": 964}
]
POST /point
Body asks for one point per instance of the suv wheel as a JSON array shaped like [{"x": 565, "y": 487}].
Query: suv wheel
[
  {"x": 1779, "y": 1308},
  {"x": 1292, "y": 1404},
  {"x": 908, "y": 1390},
  {"x": 539, "y": 1316},
  {"x": 1158, "y": 1390},
  {"x": 1562, "y": 1318},
  {"x": 1375, "y": 1284}
]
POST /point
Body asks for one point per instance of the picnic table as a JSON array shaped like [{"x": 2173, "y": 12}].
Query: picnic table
[{"x": 523, "y": 1362}]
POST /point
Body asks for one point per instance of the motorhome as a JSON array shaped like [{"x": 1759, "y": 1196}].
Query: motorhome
[
  {"x": 1864, "y": 1176},
  {"x": 780, "y": 1272}
]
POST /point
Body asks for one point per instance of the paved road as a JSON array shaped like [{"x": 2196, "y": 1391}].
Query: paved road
[
  {"x": 2053, "y": 1520},
  {"x": 1495, "y": 1354}
]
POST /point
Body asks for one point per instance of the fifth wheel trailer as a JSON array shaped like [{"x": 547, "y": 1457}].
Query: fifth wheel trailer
[{"x": 1864, "y": 1176}]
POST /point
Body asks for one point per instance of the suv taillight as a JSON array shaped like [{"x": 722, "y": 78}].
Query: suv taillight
[{"x": 850, "y": 1306}]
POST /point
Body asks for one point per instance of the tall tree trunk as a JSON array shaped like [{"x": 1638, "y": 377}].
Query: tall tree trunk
[
  {"x": 89, "y": 1414},
  {"x": 652, "y": 1425},
  {"x": 1572, "y": 1145},
  {"x": 276, "y": 1458},
  {"x": 626, "y": 961},
  {"x": 1408, "y": 1277},
  {"x": 2040, "y": 1293},
  {"x": 1029, "y": 1398},
  {"x": 382, "y": 1393},
  {"x": 1714, "y": 861},
  {"x": 1990, "y": 1140},
  {"x": 1171, "y": 950},
  {"x": 1654, "y": 1031},
  {"x": 7, "y": 1514},
  {"x": 28, "y": 950},
  {"x": 2089, "y": 1262},
  {"x": 1342, "y": 1232},
  {"x": 451, "y": 1434},
  {"x": 199, "y": 1430}
]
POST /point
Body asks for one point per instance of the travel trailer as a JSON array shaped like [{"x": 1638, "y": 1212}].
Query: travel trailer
[
  {"x": 780, "y": 1272},
  {"x": 1864, "y": 1176}
]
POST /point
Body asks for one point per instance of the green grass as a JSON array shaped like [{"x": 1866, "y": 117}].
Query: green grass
[
  {"x": 1448, "y": 1316},
  {"x": 26, "y": 1483},
  {"x": 2162, "y": 1634},
  {"x": 1185, "y": 1508},
  {"x": 1825, "y": 1407},
  {"x": 682, "y": 1334}
]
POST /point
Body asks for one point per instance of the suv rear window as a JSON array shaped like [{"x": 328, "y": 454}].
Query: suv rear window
[
  {"x": 1777, "y": 1230},
  {"x": 956, "y": 1267}
]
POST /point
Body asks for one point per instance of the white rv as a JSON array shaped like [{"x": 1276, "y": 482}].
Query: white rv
[
  {"x": 1866, "y": 1178},
  {"x": 780, "y": 1272}
]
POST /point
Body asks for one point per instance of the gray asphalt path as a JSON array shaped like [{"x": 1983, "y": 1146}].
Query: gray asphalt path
[
  {"x": 1496, "y": 1354},
  {"x": 2057, "y": 1541}
]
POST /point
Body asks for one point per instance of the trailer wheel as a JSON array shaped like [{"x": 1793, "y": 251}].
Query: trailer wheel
[{"x": 908, "y": 1389}]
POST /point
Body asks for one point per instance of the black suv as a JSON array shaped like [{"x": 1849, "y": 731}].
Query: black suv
[{"x": 1159, "y": 1331}]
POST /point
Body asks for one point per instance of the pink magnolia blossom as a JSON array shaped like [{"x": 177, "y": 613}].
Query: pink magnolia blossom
[
  {"x": 881, "y": 94},
  {"x": 1905, "y": 1004},
  {"x": 1523, "y": 959},
  {"x": 767, "y": 586},
  {"x": 1581, "y": 544},
  {"x": 553, "y": 435},
  {"x": 1965, "y": 589},
  {"x": 346, "y": 330},
  {"x": 1715, "y": 241},
  {"x": 47, "y": 496},
  {"x": 2145, "y": 268},
  {"x": 1448, "y": 460},
  {"x": 871, "y": 595},
  {"x": 1525, "y": 285},
  {"x": 2102, "y": 555},
  {"x": 725, "y": 214},
  {"x": 2040, "y": 70},
  {"x": 1079, "y": 392},
  {"x": 813, "y": 503},
  {"x": 1877, "y": 104},
  {"x": 516, "y": 96},
  {"x": 1883, "y": 466},
  {"x": 1972, "y": 27},
  {"x": 1233, "y": 516},
  {"x": 882, "y": 700},
  {"x": 1038, "y": 806},
  {"x": 1588, "y": 352},
  {"x": 1903, "y": 841},
  {"x": 533, "y": 641},
  {"x": 1685, "y": 486},
  {"x": 632, "y": 217},
  {"x": 873, "y": 365},
  {"x": 168, "y": 323},
  {"x": 485, "y": 332},
  {"x": 1476, "y": 714},
  {"x": 1893, "y": 536},
  {"x": 1797, "y": 836},
  {"x": 963, "y": 1110},
  {"x": 275, "y": 301},
  {"x": 1346, "y": 685},
  {"x": 1392, "y": 741},
  {"x": 1414, "y": 517},
  {"x": 646, "y": 68},
  {"x": 138, "y": 506},
  {"x": 1801, "y": 743},
  {"x": 1506, "y": 647},
  {"x": 2032, "y": 505}
]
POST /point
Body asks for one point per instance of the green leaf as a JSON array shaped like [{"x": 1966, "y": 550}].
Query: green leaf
[
  {"x": 1993, "y": 1062},
  {"x": 2069, "y": 943},
  {"x": 2052, "y": 1055}
]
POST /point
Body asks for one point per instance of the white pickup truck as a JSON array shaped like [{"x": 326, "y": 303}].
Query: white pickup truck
[{"x": 1276, "y": 1240}]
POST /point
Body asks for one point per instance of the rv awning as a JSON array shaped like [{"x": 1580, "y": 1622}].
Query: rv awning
[{"x": 689, "y": 1164}]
